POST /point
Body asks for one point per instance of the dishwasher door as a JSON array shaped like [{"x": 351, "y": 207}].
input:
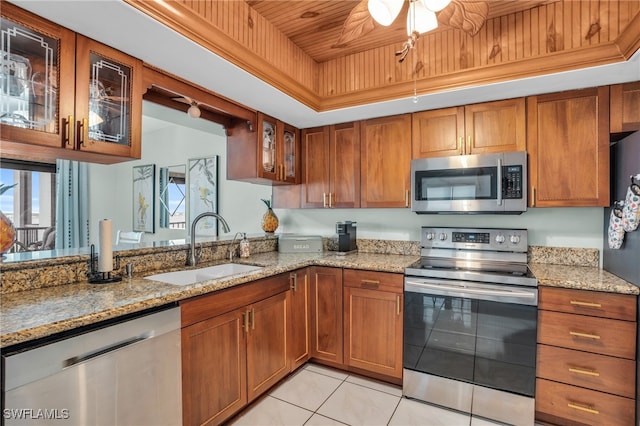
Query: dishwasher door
[{"x": 124, "y": 374}]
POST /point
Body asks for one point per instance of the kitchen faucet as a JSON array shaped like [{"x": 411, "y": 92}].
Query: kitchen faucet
[
  {"x": 192, "y": 257},
  {"x": 231, "y": 246}
]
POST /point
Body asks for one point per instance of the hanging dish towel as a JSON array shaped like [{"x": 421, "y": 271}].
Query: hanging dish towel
[
  {"x": 616, "y": 231},
  {"x": 631, "y": 210}
]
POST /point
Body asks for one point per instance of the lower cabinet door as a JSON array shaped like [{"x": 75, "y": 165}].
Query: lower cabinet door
[
  {"x": 214, "y": 377},
  {"x": 267, "y": 360},
  {"x": 373, "y": 330},
  {"x": 569, "y": 405},
  {"x": 299, "y": 341},
  {"x": 326, "y": 314}
]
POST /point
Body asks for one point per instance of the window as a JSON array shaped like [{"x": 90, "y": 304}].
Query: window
[{"x": 30, "y": 205}]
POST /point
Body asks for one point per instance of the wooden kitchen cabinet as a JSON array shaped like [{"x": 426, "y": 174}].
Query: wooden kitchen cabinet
[
  {"x": 489, "y": 127},
  {"x": 385, "y": 151},
  {"x": 269, "y": 155},
  {"x": 278, "y": 150},
  {"x": 72, "y": 98},
  {"x": 234, "y": 348},
  {"x": 331, "y": 166},
  {"x": 326, "y": 315},
  {"x": 568, "y": 146},
  {"x": 625, "y": 107},
  {"x": 373, "y": 306},
  {"x": 300, "y": 338},
  {"x": 586, "y": 357}
]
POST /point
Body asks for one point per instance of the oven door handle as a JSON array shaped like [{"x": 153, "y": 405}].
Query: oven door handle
[
  {"x": 499, "y": 189},
  {"x": 498, "y": 294}
]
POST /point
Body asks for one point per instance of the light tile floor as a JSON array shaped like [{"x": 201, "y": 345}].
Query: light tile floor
[{"x": 321, "y": 396}]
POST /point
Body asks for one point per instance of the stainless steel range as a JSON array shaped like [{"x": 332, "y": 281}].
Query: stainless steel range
[{"x": 470, "y": 323}]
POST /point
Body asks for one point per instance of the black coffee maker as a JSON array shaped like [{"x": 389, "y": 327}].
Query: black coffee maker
[{"x": 346, "y": 236}]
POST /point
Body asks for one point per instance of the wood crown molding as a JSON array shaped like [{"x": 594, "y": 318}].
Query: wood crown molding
[{"x": 375, "y": 76}]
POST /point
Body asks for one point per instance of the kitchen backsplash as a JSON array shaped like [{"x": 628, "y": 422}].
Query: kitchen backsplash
[{"x": 21, "y": 276}]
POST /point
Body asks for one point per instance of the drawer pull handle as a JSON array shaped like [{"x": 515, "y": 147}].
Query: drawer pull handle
[
  {"x": 584, "y": 371},
  {"x": 582, "y": 408},
  {"x": 585, "y": 335},
  {"x": 398, "y": 305},
  {"x": 369, "y": 283},
  {"x": 586, "y": 304}
]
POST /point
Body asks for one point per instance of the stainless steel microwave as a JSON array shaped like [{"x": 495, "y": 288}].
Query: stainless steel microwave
[{"x": 482, "y": 183}]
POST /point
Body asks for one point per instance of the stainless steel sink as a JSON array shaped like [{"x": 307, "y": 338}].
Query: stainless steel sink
[{"x": 191, "y": 276}]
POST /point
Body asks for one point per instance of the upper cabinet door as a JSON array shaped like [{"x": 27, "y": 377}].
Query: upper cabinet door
[
  {"x": 569, "y": 148},
  {"x": 438, "y": 133},
  {"x": 290, "y": 164},
  {"x": 625, "y": 107},
  {"x": 493, "y": 127},
  {"x": 315, "y": 159},
  {"x": 36, "y": 80},
  {"x": 108, "y": 100},
  {"x": 267, "y": 152},
  {"x": 386, "y": 162}
]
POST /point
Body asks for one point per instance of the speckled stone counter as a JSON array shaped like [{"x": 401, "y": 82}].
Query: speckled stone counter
[
  {"x": 41, "y": 312},
  {"x": 581, "y": 278}
]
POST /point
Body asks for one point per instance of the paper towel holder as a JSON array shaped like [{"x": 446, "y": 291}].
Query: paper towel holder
[{"x": 95, "y": 277}]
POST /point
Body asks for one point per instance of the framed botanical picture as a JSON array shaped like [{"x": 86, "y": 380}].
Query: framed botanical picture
[
  {"x": 144, "y": 179},
  {"x": 202, "y": 180}
]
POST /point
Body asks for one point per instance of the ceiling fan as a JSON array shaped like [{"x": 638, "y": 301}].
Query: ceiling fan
[{"x": 422, "y": 16}]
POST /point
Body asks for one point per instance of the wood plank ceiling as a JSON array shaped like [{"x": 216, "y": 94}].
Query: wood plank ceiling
[
  {"x": 292, "y": 44},
  {"x": 315, "y": 26}
]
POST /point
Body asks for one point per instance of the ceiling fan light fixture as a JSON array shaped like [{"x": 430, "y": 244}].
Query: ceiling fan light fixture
[
  {"x": 384, "y": 12},
  {"x": 194, "y": 111},
  {"x": 420, "y": 19},
  {"x": 436, "y": 5}
]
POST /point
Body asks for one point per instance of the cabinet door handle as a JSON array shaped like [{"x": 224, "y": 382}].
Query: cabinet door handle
[
  {"x": 324, "y": 200},
  {"x": 584, "y": 371},
  {"x": 82, "y": 131},
  {"x": 585, "y": 335},
  {"x": 66, "y": 130},
  {"x": 469, "y": 144},
  {"x": 582, "y": 408},
  {"x": 373, "y": 284},
  {"x": 461, "y": 145},
  {"x": 282, "y": 172},
  {"x": 330, "y": 199},
  {"x": 585, "y": 304},
  {"x": 406, "y": 197},
  {"x": 253, "y": 319},
  {"x": 293, "y": 280},
  {"x": 245, "y": 321},
  {"x": 398, "y": 305},
  {"x": 533, "y": 196}
]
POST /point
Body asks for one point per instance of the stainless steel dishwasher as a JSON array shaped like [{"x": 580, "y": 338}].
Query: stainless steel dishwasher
[{"x": 127, "y": 373}]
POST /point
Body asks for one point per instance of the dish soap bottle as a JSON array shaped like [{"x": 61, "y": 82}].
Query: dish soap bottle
[{"x": 244, "y": 246}]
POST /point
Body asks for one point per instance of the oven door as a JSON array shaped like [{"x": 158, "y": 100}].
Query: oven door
[{"x": 476, "y": 333}]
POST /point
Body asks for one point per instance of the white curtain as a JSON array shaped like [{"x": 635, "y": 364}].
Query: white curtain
[{"x": 72, "y": 204}]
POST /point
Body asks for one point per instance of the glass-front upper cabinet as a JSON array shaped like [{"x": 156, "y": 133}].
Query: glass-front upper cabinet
[
  {"x": 108, "y": 100},
  {"x": 278, "y": 146},
  {"x": 73, "y": 97},
  {"x": 36, "y": 78}
]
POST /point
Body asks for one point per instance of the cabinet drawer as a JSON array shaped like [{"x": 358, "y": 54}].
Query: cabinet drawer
[
  {"x": 584, "y": 302},
  {"x": 591, "y": 334},
  {"x": 573, "y": 404},
  {"x": 598, "y": 372},
  {"x": 372, "y": 280}
]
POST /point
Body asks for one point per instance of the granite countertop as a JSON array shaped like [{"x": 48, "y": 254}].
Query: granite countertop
[
  {"x": 581, "y": 278},
  {"x": 32, "y": 314}
]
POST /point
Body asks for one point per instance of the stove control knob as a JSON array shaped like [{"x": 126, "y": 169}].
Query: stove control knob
[
  {"x": 500, "y": 239},
  {"x": 515, "y": 239},
  {"x": 443, "y": 236},
  {"x": 430, "y": 235}
]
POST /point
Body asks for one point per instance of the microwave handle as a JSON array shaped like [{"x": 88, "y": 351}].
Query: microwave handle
[{"x": 499, "y": 189}]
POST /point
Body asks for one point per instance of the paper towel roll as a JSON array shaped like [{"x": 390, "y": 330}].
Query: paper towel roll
[{"x": 105, "y": 255}]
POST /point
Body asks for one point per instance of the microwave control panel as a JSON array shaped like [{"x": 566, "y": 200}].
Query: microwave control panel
[{"x": 512, "y": 182}]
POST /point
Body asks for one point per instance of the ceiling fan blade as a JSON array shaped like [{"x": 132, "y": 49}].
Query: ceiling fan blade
[
  {"x": 183, "y": 99},
  {"x": 468, "y": 16},
  {"x": 358, "y": 23}
]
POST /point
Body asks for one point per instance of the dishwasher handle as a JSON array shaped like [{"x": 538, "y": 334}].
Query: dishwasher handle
[{"x": 93, "y": 354}]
